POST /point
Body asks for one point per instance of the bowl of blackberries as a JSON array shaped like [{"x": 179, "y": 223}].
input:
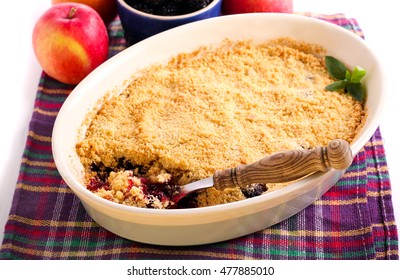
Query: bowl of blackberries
[{"x": 141, "y": 19}]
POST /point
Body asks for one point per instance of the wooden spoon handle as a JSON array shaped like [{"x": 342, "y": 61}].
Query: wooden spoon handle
[{"x": 286, "y": 166}]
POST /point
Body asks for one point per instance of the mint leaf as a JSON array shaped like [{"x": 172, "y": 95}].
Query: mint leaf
[
  {"x": 335, "y": 68},
  {"x": 346, "y": 79},
  {"x": 336, "y": 86},
  {"x": 356, "y": 90},
  {"x": 357, "y": 74},
  {"x": 348, "y": 75}
]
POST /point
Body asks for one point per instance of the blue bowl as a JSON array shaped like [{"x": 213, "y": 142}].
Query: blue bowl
[{"x": 139, "y": 25}]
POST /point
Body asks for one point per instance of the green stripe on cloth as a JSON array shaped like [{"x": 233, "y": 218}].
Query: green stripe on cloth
[{"x": 353, "y": 220}]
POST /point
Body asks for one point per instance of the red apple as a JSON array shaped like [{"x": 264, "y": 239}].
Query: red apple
[
  {"x": 107, "y": 9},
  {"x": 70, "y": 40},
  {"x": 254, "y": 6}
]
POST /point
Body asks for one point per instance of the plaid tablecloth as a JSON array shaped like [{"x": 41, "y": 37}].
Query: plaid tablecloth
[{"x": 353, "y": 220}]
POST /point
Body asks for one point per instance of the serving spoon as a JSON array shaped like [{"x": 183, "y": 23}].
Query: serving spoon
[{"x": 279, "y": 167}]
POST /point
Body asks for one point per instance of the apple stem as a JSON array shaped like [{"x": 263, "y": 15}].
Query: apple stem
[{"x": 72, "y": 12}]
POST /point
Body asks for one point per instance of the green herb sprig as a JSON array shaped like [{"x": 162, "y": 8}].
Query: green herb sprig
[{"x": 349, "y": 81}]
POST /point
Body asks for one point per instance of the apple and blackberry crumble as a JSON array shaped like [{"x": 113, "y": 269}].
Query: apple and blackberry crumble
[{"x": 211, "y": 109}]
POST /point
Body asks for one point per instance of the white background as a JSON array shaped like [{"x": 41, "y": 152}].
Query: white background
[{"x": 20, "y": 73}]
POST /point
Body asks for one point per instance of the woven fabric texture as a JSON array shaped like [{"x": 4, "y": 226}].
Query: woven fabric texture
[{"x": 353, "y": 220}]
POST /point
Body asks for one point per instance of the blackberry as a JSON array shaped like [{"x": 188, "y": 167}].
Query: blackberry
[
  {"x": 168, "y": 7},
  {"x": 124, "y": 164},
  {"x": 254, "y": 190},
  {"x": 195, "y": 5},
  {"x": 102, "y": 171}
]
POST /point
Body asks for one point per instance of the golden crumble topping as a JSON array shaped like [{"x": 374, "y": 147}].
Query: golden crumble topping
[{"x": 212, "y": 109}]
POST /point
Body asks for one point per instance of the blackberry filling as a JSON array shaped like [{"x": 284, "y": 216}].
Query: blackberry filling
[
  {"x": 165, "y": 191},
  {"x": 128, "y": 183},
  {"x": 134, "y": 185}
]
